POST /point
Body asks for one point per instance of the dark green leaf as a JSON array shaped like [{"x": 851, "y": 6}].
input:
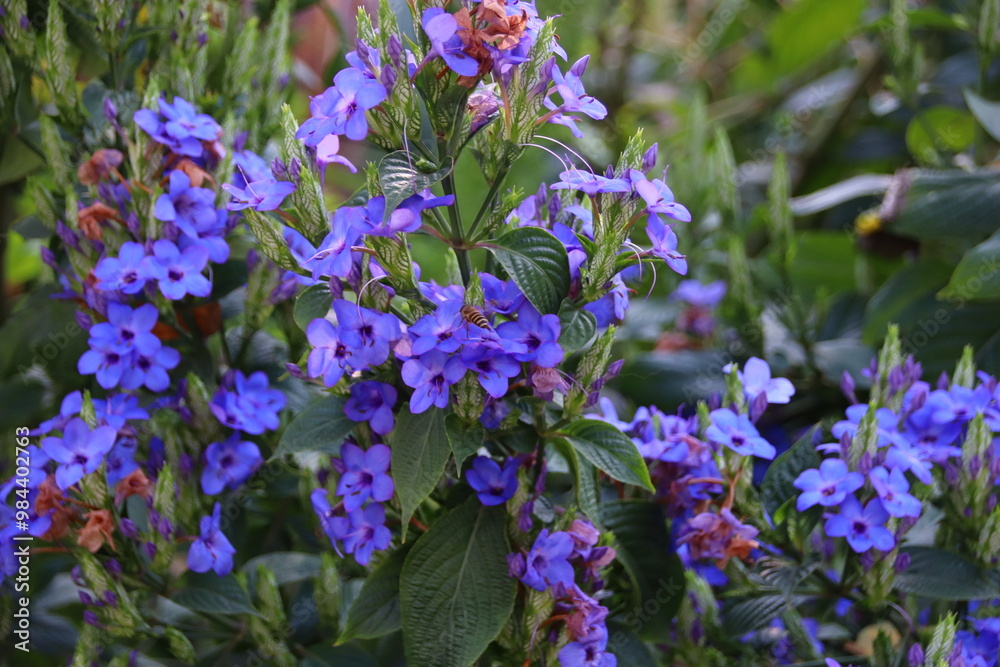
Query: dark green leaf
[
  {"x": 321, "y": 427},
  {"x": 657, "y": 574},
  {"x": 684, "y": 376},
  {"x": 939, "y": 128},
  {"x": 977, "y": 276},
  {"x": 777, "y": 487},
  {"x": 943, "y": 575},
  {"x": 537, "y": 261},
  {"x": 210, "y": 594},
  {"x": 628, "y": 648},
  {"x": 420, "y": 451},
  {"x": 375, "y": 611},
  {"x": 455, "y": 589},
  {"x": 609, "y": 449},
  {"x": 465, "y": 439},
  {"x": 313, "y": 303},
  {"x": 400, "y": 178},
  {"x": 950, "y": 204},
  {"x": 986, "y": 112},
  {"x": 752, "y": 613},
  {"x": 288, "y": 566},
  {"x": 578, "y": 327}
]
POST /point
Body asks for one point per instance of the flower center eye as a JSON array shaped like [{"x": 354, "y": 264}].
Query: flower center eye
[
  {"x": 80, "y": 459},
  {"x": 859, "y": 527},
  {"x": 174, "y": 275}
]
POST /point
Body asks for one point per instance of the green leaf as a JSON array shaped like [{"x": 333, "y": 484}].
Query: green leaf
[
  {"x": 977, "y": 276},
  {"x": 538, "y": 263},
  {"x": 939, "y": 128},
  {"x": 269, "y": 237},
  {"x": 465, "y": 439},
  {"x": 321, "y": 427},
  {"x": 949, "y": 204},
  {"x": 456, "y": 593},
  {"x": 628, "y": 648},
  {"x": 210, "y": 594},
  {"x": 609, "y": 449},
  {"x": 288, "y": 566},
  {"x": 657, "y": 574},
  {"x": 750, "y": 614},
  {"x": 942, "y": 575},
  {"x": 375, "y": 611},
  {"x": 313, "y": 303},
  {"x": 420, "y": 451},
  {"x": 777, "y": 487},
  {"x": 986, "y": 112},
  {"x": 400, "y": 178},
  {"x": 578, "y": 326}
]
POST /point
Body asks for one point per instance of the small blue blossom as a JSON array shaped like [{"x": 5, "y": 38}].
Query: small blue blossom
[
  {"x": 372, "y": 402},
  {"x": 367, "y": 533},
  {"x": 589, "y": 183},
  {"x": 863, "y": 528},
  {"x": 503, "y": 297},
  {"x": 265, "y": 194},
  {"x": 366, "y": 475},
  {"x": 179, "y": 127},
  {"x": 116, "y": 410},
  {"x": 186, "y": 206},
  {"x": 150, "y": 370},
  {"x": 894, "y": 491},
  {"x": 368, "y": 219},
  {"x": 442, "y": 30},
  {"x": 537, "y": 333},
  {"x": 664, "y": 243},
  {"x": 493, "y": 485},
  {"x": 79, "y": 451},
  {"x": 658, "y": 197},
  {"x": 574, "y": 98},
  {"x": 333, "y": 257},
  {"x": 211, "y": 551},
  {"x": 493, "y": 369},
  {"x": 228, "y": 464},
  {"x": 827, "y": 486},
  {"x": 178, "y": 273},
  {"x": 431, "y": 376},
  {"x": 341, "y": 108},
  {"x": 367, "y": 332},
  {"x": 738, "y": 434},
  {"x": 436, "y": 331},
  {"x": 124, "y": 273},
  {"x": 756, "y": 378},
  {"x": 700, "y": 294},
  {"x": 330, "y": 355},
  {"x": 547, "y": 563}
]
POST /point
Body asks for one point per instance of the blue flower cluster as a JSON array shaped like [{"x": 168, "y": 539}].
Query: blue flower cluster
[
  {"x": 868, "y": 491},
  {"x": 685, "y": 467},
  {"x": 364, "y": 485},
  {"x": 549, "y": 565}
]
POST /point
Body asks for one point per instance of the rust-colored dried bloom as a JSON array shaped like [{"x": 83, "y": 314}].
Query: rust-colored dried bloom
[
  {"x": 97, "y": 531},
  {"x": 100, "y": 164},
  {"x": 50, "y": 503},
  {"x": 90, "y": 219},
  {"x": 135, "y": 484}
]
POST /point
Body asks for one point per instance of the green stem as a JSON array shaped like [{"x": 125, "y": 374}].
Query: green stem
[
  {"x": 489, "y": 201},
  {"x": 456, "y": 229}
]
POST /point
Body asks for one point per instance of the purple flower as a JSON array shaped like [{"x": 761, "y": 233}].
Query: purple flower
[
  {"x": 327, "y": 153},
  {"x": 249, "y": 167},
  {"x": 503, "y": 297},
  {"x": 126, "y": 329},
  {"x": 178, "y": 273},
  {"x": 493, "y": 485},
  {"x": 333, "y": 257},
  {"x": 372, "y": 402},
  {"x": 367, "y": 533},
  {"x": 431, "y": 375},
  {"x": 253, "y": 407},
  {"x": 739, "y": 434},
  {"x": 188, "y": 207},
  {"x": 756, "y": 379},
  {"x": 178, "y": 126},
  {"x": 658, "y": 197},
  {"x": 893, "y": 490},
  {"x": 592, "y": 654},
  {"x": 329, "y": 358},
  {"x": 589, "y": 183},
  {"x": 368, "y": 219},
  {"x": 699, "y": 294},
  {"x": 574, "y": 98},
  {"x": 493, "y": 368},
  {"x": 915, "y": 459},
  {"x": 664, "y": 243},
  {"x": 367, "y": 332},
  {"x": 341, "y": 108},
  {"x": 228, "y": 464},
  {"x": 442, "y": 29},
  {"x": 116, "y": 410},
  {"x": 124, "y": 273},
  {"x": 537, "y": 333},
  {"x": 79, "y": 451},
  {"x": 150, "y": 370},
  {"x": 334, "y": 526},
  {"x": 262, "y": 195},
  {"x": 547, "y": 563},
  {"x": 827, "y": 486},
  {"x": 211, "y": 551},
  {"x": 366, "y": 475},
  {"x": 120, "y": 461},
  {"x": 863, "y": 528},
  {"x": 435, "y": 331}
]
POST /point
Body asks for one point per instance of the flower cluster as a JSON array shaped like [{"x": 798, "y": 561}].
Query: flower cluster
[
  {"x": 885, "y": 457},
  {"x": 549, "y": 565}
]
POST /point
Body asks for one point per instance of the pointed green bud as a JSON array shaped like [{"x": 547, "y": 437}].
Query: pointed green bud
[
  {"x": 269, "y": 600},
  {"x": 942, "y": 642},
  {"x": 180, "y": 646},
  {"x": 328, "y": 593},
  {"x": 965, "y": 371}
]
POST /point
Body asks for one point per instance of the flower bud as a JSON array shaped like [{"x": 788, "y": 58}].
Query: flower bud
[
  {"x": 649, "y": 157},
  {"x": 915, "y": 656},
  {"x": 847, "y": 387},
  {"x": 902, "y": 562}
]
